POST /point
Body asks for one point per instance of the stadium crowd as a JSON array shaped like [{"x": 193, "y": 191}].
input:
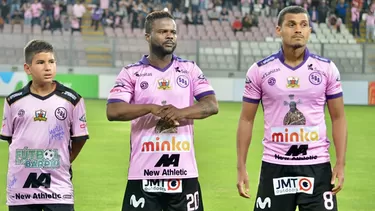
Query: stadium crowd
[{"x": 67, "y": 15}]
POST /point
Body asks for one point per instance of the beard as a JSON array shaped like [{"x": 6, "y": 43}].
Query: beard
[
  {"x": 296, "y": 46},
  {"x": 161, "y": 51}
]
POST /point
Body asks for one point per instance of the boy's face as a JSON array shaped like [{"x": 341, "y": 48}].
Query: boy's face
[{"x": 42, "y": 68}]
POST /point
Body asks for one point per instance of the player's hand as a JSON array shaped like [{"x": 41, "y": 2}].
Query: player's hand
[
  {"x": 156, "y": 109},
  {"x": 172, "y": 114},
  {"x": 337, "y": 172},
  {"x": 243, "y": 183}
]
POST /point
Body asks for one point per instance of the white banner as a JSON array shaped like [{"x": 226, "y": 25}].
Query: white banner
[{"x": 12, "y": 81}]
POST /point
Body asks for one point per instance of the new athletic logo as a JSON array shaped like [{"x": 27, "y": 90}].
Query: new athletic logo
[
  {"x": 295, "y": 134},
  {"x": 292, "y": 185},
  {"x": 136, "y": 203},
  {"x": 166, "y": 143}
]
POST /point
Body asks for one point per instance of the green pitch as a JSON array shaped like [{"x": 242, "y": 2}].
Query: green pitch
[{"x": 100, "y": 170}]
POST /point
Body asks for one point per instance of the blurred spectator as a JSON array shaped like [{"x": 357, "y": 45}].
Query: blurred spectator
[
  {"x": 2, "y": 22},
  {"x": 66, "y": 23},
  {"x": 189, "y": 17},
  {"x": 15, "y": 6},
  {"x": 246, "y": 23},
  {"x": 323, "y": 11},
  {"x": 334, "y": 23},
  {"x": 56, "y": 25},
  {"x": 274, "y": 8},
  {"x": 314, "y": 16},
  {"x": 341, "y": 10},
  {"x": 46, "y": 24},
  {"x": 27, "y": 15},
  {"x": 195, "y": 6},
  {"x": 96, "y": 17},
  {"x": 355, "y": 20},
  {"x": 57, "y": 10},
  {"x": 78, "y": 11},
  {"x": 198, "y": 18},
  {"x": 177, "y": 14},
  {"x": 372, "y": 7},
  {"x": 5, "y": 11},
  {"x": 36, "y": 11},
  {"x": 224, "y": 15},
  {"x": 245, "y": 7},
  {"x": 48, "y": 8},
  {"x": 254, "y": 20},
  {"x": 74, "y": 25},
  {"x": 236, "y": 25},
  {"x": 17, "y": 19},
  {"x": 370, "y": 26}
]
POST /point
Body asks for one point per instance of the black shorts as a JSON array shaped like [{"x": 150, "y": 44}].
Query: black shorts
[
  {"x": 283, "y": 188},
  {"x": 163, "y": 195},
  {"x": 43, "y": 207}
]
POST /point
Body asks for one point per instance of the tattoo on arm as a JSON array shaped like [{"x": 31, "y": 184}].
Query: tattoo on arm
[{"x": 207, "y": 108}]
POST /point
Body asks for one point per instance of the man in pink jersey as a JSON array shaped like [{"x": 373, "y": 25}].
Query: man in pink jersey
[
  {"x": 157, "y": 95},
  {"x": 45, "y": 125},
  {"x": 294, "y": 86}
]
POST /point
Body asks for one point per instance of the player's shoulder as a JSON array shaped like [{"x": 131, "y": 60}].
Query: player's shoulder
[
  {"x": 268, "y": 60},
  {"x": 319, "y": 58},
  {"x": 182, "y": 60},
  {"x": 133, "y": 66},
  {"x": 17, "y": 95},
  {"x": 68, "y": 94}
]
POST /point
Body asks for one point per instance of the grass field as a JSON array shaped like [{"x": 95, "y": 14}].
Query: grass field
[{"x": 101, "y": 169}]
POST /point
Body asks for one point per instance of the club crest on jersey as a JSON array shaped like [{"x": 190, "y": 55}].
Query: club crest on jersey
[
  {"x": 293, "y": 82},
  {"x": 164, "y": 84},
  {"x": 40, "y": 115}
]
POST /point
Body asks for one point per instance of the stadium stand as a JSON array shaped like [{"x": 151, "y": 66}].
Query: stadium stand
[{"x": 119, "y": 39}]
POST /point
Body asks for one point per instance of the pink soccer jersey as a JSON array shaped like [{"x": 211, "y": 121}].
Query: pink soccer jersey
[
  {"x": 293, "y": 101},
  {"x": 160, "y": 150},
  {"x": 41, "y": 130}
]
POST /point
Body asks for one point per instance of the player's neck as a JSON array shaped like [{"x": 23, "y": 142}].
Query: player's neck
[
  {"x": 42, "y": 89},
  {"x": 159, "y": 61},
  {"x": 292, "y": 56}
]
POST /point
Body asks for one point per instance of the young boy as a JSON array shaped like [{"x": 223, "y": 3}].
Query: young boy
[{"x": 45, "y": 125}]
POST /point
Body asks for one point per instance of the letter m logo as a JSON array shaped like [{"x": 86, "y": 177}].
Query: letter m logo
[
  {"x": 296, "y": 150},
  {"x": 262, "y": 204},
  {"x": 136, "y": 203}
]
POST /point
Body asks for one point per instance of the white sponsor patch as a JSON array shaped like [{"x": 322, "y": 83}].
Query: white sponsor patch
[
  {"x": 162, "y": 186},
  {"x": 292, "y": 185}
]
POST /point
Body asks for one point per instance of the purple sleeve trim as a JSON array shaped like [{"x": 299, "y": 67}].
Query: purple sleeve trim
[
  {"x": 198, "y": 97},
  {"x": 330, "y": 97},
  {"x": 5, "y": 138},
  {"x": 249, "y": 100},
  {"x": 114, "y": 101}
]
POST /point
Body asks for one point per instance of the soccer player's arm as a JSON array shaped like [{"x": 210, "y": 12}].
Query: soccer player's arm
[
  {"x": 205, "y": 95},
  {"x": 335, "y": 104},
  {"x": 79, "y": 131},
  {"x": 7, "y": 125},
  {"x": 251, "y": 99},
  {"x": 118, "y": 103}
]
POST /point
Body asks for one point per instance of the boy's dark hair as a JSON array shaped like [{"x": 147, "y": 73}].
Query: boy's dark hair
[
  {"x": 290, "y": 10},
  {"x": 35, "y": 47},
  {"x": 154, "y": 16}
]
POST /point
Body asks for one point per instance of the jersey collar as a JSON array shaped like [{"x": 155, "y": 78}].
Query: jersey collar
[
  {"x": 145, "y": 61},
  {"x": 281, "y": 57}
]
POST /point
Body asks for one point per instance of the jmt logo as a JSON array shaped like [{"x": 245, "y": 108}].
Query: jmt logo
[
  {"x": 295, "y": 134},
  {"x": 292, "y": 185},
  {"x": 166, "y": 143}
]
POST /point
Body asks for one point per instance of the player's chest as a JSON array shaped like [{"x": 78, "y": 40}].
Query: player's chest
[
  {"x": 278, "y": 82},
  {"x": 48, "y": 111},
  {"x": 176, "y": 84}
]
